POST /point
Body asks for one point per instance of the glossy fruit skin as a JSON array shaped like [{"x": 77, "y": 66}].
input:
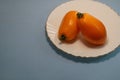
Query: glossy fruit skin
[
  {"x": 68, "y": 29},
  {"x": 92, "y": 29}
]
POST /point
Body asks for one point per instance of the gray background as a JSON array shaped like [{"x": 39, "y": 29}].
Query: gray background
[{"x": 27, "y": 54}]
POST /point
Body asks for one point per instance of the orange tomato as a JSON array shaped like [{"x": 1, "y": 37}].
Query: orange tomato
[
  {"x": 68, "y": 29},
  {"x": 92, "y": 29}
]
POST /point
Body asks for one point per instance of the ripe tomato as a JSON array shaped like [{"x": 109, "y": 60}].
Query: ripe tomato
[
  {"x": 68, "y": 28},
  {"x": 92, "y": 29}
]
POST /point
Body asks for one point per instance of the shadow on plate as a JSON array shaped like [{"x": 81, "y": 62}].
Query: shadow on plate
[{"x": 83, "y": 59}]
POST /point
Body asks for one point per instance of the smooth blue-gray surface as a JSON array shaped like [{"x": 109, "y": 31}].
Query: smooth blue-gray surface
[{"x": 27, "y": 54}]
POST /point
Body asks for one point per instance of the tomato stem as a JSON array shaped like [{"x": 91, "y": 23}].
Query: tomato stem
[
  {"x": 79, "y": 15},
  {"x": 62, "y": 37}
]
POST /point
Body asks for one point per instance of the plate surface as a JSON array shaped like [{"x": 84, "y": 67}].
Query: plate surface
[{"x": 109, "y": 17}]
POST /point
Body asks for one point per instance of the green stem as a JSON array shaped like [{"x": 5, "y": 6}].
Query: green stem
[
  {"x": 79, "y": 15},
  {"x": 62, "y": 37}
]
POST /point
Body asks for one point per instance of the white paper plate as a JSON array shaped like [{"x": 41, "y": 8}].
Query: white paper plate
[{"x": 104, "y": 13}]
